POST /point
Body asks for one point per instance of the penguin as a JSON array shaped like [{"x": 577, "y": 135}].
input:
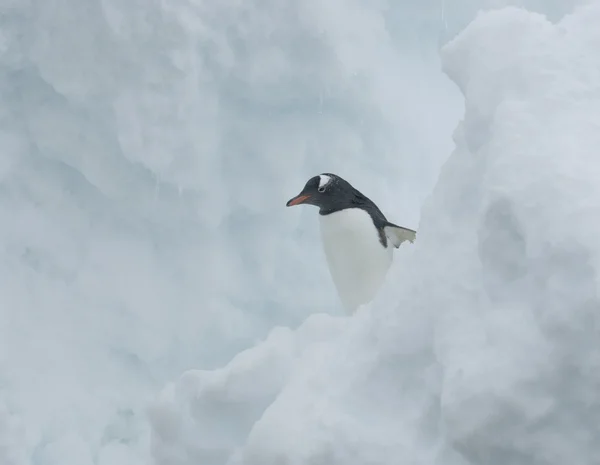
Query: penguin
[{"x": 357, "y": 238}]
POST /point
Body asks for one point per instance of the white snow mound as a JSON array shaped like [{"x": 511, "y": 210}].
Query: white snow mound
[{"x": 483, "y": 347}]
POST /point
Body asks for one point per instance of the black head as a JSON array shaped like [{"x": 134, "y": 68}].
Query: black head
[{"x": 331, "y": 193}]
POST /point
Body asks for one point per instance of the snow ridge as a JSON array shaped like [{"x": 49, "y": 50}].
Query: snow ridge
[{"x": 483, "y": 346}]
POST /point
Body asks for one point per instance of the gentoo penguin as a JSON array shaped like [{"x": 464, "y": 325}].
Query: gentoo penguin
[{"x": 357, "y": 238}]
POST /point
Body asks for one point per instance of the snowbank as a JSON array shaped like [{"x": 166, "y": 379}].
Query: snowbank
[
  {"x": 529, "y": 218},
  {"x": 483, "y": 348},
  {"x": 206, "y": 414},
  {"x": 146, "y": 151}
]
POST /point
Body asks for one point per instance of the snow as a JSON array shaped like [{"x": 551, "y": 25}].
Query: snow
[
  {"x": 484, "y": 347},
  {"x": 156, "y": 305}
]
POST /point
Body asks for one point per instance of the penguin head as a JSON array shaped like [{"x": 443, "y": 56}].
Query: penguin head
[{"x": 327, "y": 191}]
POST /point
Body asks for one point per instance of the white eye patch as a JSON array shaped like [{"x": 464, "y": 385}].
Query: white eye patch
[{"x": 323, "y": 181}]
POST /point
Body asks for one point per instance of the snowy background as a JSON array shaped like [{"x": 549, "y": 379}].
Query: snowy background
[{"x": 160, "y": 305}]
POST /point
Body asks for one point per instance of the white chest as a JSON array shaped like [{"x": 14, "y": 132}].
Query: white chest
[{"x": 357, "y": 261}]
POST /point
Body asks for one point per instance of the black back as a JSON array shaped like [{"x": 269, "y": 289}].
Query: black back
[{"x": 338, "y": 195}]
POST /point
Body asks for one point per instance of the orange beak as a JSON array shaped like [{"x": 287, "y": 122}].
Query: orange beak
[{"x": 297, "y": 200}]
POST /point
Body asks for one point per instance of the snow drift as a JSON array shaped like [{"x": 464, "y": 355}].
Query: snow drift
[
  {"x": 146, "y": 151},
  {"x": 483, "y": 347}
]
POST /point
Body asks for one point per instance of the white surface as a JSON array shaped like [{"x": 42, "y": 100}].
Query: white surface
[
  {"x": 356, "y": 259},
  {"x": 483, "y": 345},
  {"x": 148, "y": 149}
]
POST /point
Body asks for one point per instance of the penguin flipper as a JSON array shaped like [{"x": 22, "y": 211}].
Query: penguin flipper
[{"x": 398, "y": 234}]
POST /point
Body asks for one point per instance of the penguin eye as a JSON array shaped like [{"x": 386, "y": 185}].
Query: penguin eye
[{"x": 324, "y": 181}]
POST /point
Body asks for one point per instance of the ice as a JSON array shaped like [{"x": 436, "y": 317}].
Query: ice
[
  {"x": 225, "y": 403},
  {"x": 159, "y": 302},
  {"x": 483, "y": 347},
  {"x": 147, "y": 151},
  {"x": 533, "y": 241}
]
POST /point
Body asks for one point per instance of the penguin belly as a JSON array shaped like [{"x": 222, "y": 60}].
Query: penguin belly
[{"x": 358, "y": 262}]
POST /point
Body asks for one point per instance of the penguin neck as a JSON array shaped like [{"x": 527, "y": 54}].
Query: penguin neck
[
  {"x": 351, "y": 199},
  {"x": 355, "y": 200}
]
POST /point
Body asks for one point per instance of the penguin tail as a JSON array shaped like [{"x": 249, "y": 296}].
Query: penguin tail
[{"x": 398, "y": 234}]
